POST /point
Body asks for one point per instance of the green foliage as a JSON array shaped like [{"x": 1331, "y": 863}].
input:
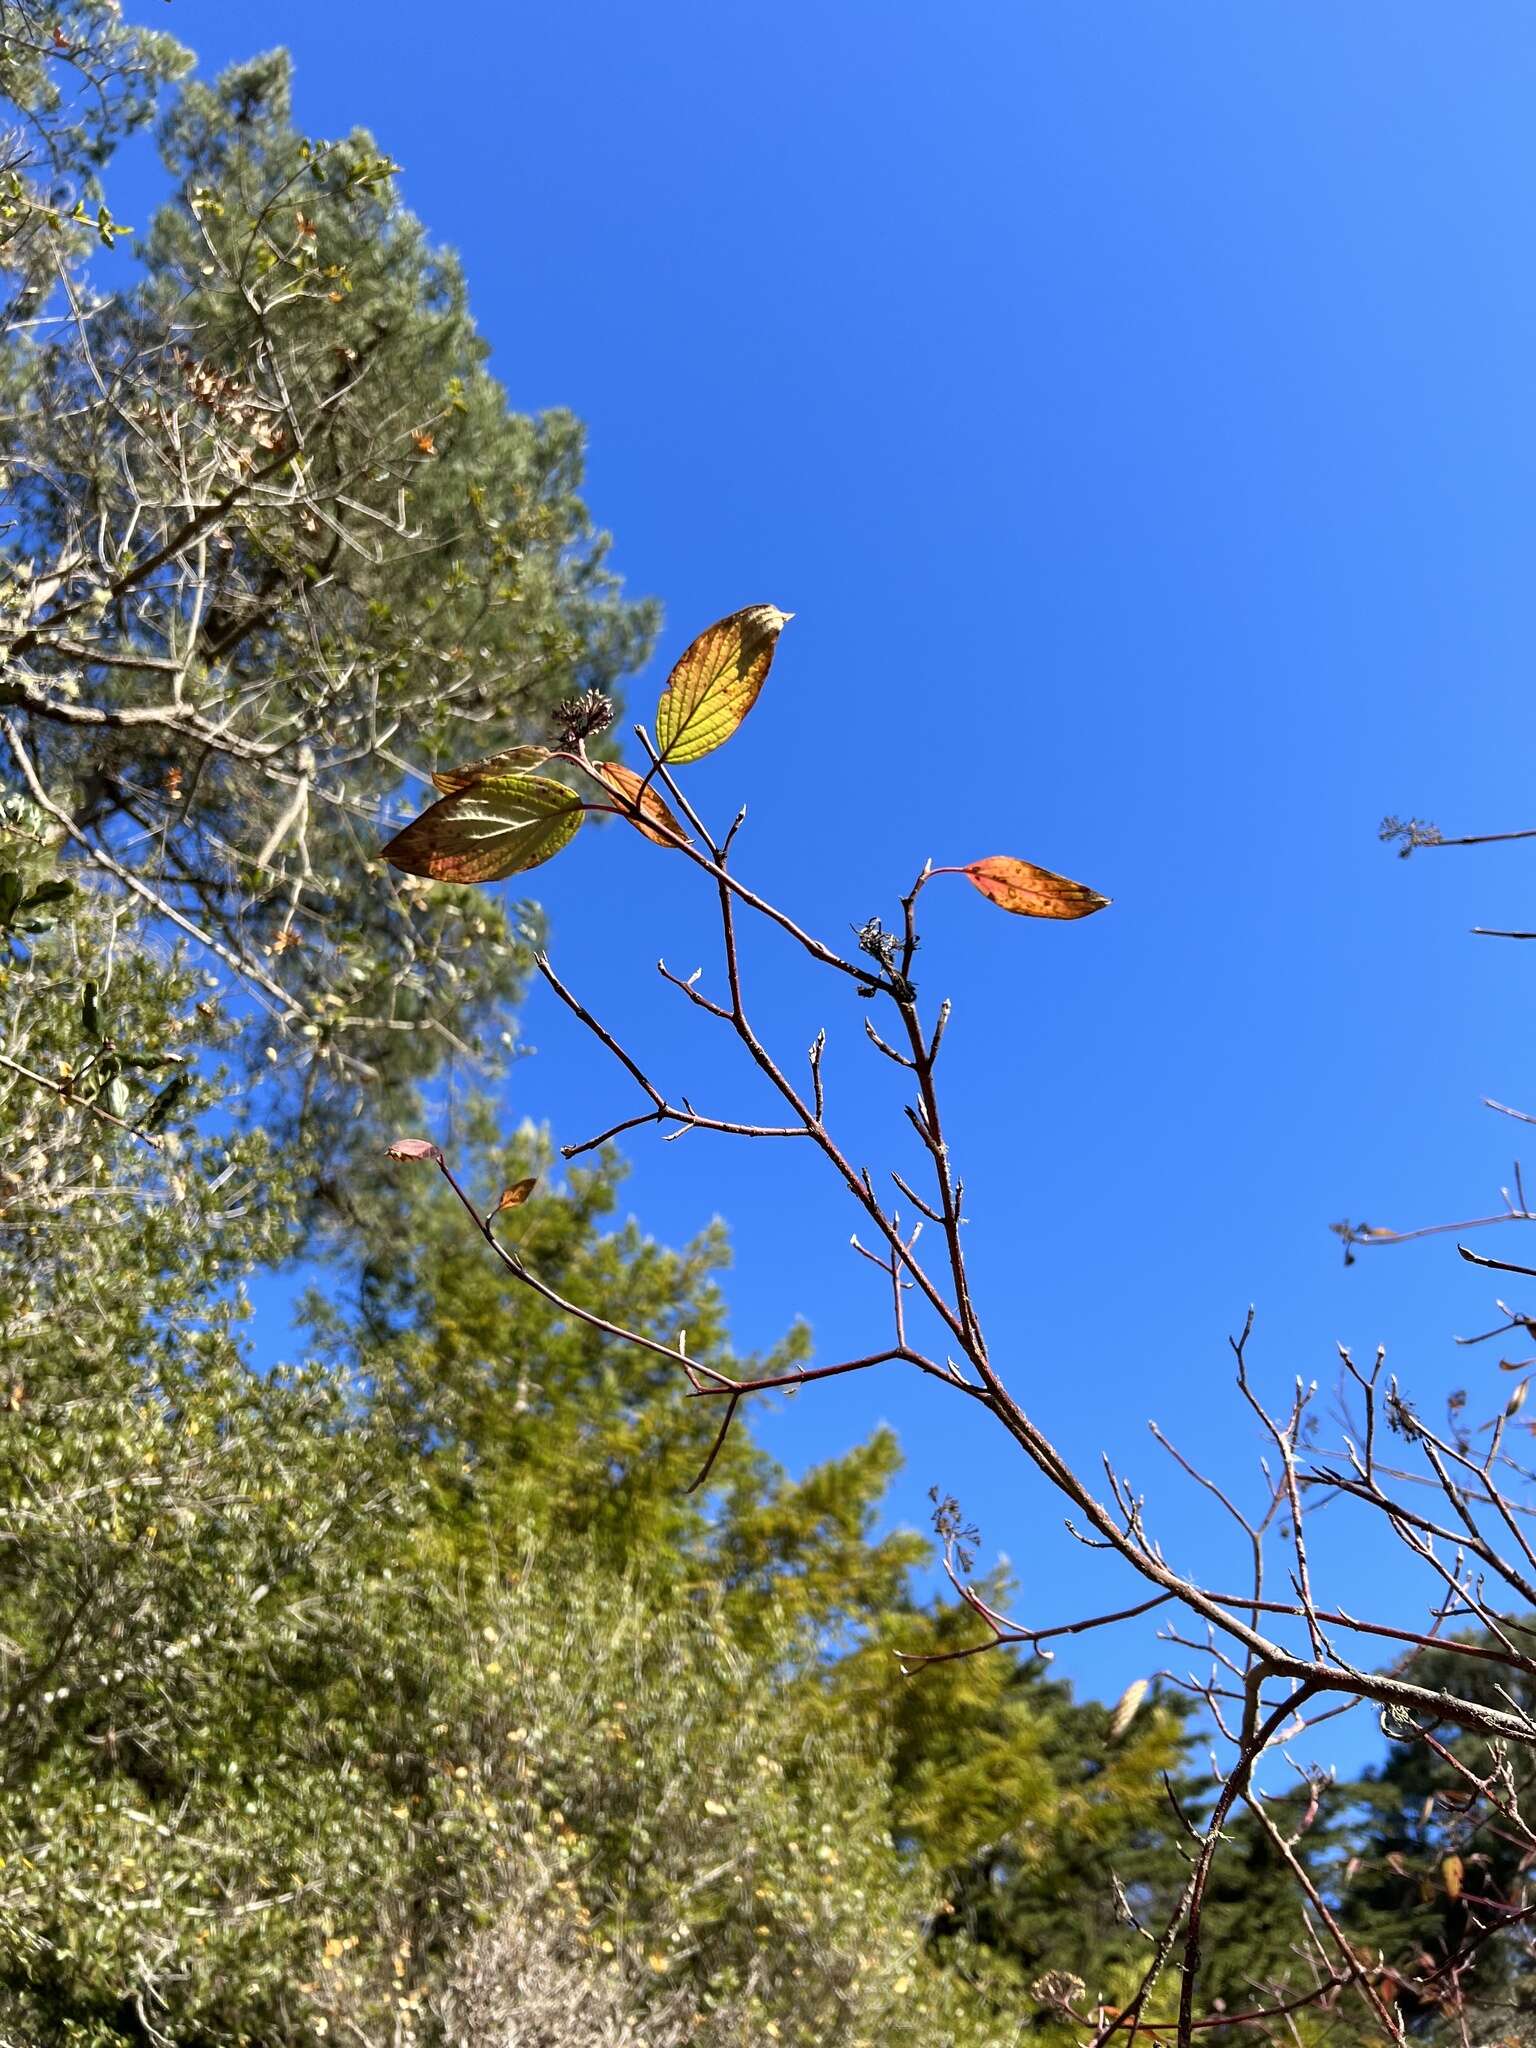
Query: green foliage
[
  {"x": 1417, "y": 1812},
  {"x": 77, "y": 79},
  {"x": 1033, "y": 1811},
  {"x": 316, "y": 1684},
  {"x": 354, "y": 1692},
  {"x": 218, "y": 707}
]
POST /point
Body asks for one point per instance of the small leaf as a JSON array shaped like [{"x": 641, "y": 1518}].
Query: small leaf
[
  {"x": 415, "y": 1148},
  {"x": 498, "y": 827},
  {"x": 716, "y": 681},
  {"x": 639, "y": 803},
  {"x": 1452, "y": 1871},
  {"x": 510, "y": 762},
  {"x": 1028, "y": 891},
  {"x": 90, "y": 1010},
  {"x": 12, "y": 888},
  {"x": 515, "y": 1196},
  {"x": 1126, "y": 1708}
]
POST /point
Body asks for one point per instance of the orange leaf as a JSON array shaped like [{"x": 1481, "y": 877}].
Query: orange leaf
[
  {"x": 1028, "y": 891},
  {"x": 716, "y": 682},
  {"x": 511, "y": 762},
  {"x": 639, "y": 802},
  {"x": 515, "y": 1196}
]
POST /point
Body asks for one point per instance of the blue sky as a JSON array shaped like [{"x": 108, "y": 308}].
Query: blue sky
[{"x": 1134, "y": 405}]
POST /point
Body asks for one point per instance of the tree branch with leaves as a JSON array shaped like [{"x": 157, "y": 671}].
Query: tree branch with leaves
[{"x": 1278, "y": 1666}]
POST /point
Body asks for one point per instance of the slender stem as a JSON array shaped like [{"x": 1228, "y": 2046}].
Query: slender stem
[{"x": 65, "y": 1092}]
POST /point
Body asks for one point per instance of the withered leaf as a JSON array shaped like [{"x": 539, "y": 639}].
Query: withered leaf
[
  {"x": 515, "y": 1196},
  {"x": 415, "y": 1148},
  {"x": 640, "y": 803},
  {"x": 716, "y": 682},
  {"x": 1126, "y": 1708},
  {"x": 502, "y": 825},
  {"x": 1028, "y": 891},
  {"x": 511, "y": 761}
]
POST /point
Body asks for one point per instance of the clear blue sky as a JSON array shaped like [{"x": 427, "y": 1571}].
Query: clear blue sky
[{"x": 1136, "y": 407}]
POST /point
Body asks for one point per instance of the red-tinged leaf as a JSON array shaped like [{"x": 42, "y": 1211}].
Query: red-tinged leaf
[
  {"x": 716, "y": 681},
  {"x": 1028, "y": 891},
  {"x": 500, "y": 826},
  {"x": 515, "y": 1196},
  {"x": 640, "y": 803},
  {"x": 415, "y": 1148},
  {"x": 511, "y": 762}
]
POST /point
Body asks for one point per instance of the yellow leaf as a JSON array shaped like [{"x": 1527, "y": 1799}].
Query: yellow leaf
[
  {"x": 1028, "y": 891},
  {"x": 640, "y": 803},
  {"x": 501, "y": 826},
  {"x": 716, "y": 682},
  {"x": 1452, "y": 1870}
]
